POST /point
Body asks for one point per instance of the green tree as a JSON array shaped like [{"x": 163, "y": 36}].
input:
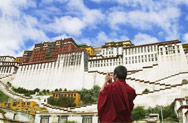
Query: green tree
[
  {"x": 60, "y": 89},
  {"x": 36, "y": 90},
  {"x": 138, "y": 113},
  {"x": 9, "y": 84},
  {"x": 62, "y": 101},
  {"x": 89, "y": 96},
  {"x": 44, "y": 91},
  {"x": 65, "y": 89},
  {"x": 3, "y": 97},
  {"x": 145, "y": 91},
  {"x": 184, "y": 81},
  {"x": 56, "y": 90},
  {"x": 96, "y": 90}
]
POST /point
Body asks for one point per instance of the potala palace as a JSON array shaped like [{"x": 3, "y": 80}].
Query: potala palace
[{"x": 159, "y": 67}]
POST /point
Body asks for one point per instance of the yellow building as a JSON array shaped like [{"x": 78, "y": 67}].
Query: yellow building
[
  {"x": 19, "y": 59},
  {"x": 127, "y": 43},
  {"x": 30, "y": 107},
  {"x": 74, "y": 94},
  {"x": 185, "y": 47},
  {"x": 90, "y": 50}
]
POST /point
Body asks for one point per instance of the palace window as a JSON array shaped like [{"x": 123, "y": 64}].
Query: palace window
[
  {"x": 181, "y": 102},
  {"x": 144, "y": 49},
  {"x": 86, "y": 119},
  {"x": 173, "y": 48},
  {"x": 152, "y": 59},
  {"x": 141, "y": 49},
  {"x": 155, "y": 57},
  {"x": 135, "y": 59},
  {"x": 138, "y": 59},
  {"x": 44, "y": 119},
  {"x": 62, "y": 119},
  {"x": 145, "y": 58},
  {"x": 186, "y": 101},
  {"x": 166, "y": 50},
  {"x": 178, "y": 48},
  {"x": 151, "y": 48},
  {"x": 161, "y": 50},
  {"x": 148, "y": 48},
  {"x": 149, "y": 58},
  {"x": 14, "y": 103}
]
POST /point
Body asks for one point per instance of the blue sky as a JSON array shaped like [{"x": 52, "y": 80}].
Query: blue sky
[{"x": 94, "y": 22}]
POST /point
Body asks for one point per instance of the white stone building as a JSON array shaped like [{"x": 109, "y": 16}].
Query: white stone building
[
  {"x": 158, "y": 67},
  {"x": 8, "y": 65},
  {"x": 181, "y": 109}
]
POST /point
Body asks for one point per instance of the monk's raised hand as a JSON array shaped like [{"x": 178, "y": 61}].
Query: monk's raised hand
[{"x": 108, "y": 78}]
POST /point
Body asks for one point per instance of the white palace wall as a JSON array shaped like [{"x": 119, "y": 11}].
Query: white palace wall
[
  {"x": 52, "y": 75},
  {"x": 70, "y": 70},
  {"x": 167, "y": 65}
]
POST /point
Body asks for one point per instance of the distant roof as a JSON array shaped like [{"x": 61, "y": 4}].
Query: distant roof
[{"x": 8, "y": 56}]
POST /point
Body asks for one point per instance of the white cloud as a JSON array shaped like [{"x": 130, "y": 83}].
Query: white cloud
[
  {"x": 149, "y": 4},
  {"x": 186, "y": 18},
  {"x": 143, "y": 19},
  {"x": 73, "y": 25},
  {"x": 91, "y": 17},
  {"x": 63, "y": 36},
  {"x": 185, "y": 37},
  {"x": 85, "y": 41},
  {"x": 97, "y": 1},
  {"x": 12, "y": 7},
  {"x": 16, "y": 28},
  {"x": 103, "y": 37},
  {"x": 147, "y": 20},
  {"x": 144, "y": 39},
  {"x": 67, "y": 24}
]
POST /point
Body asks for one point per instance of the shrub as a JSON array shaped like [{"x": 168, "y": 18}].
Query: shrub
[
  {"x": 184, "y": 81},
  {"x": 138, "y": 113},
  {"x": 23, "y": 91},
  {"x": 62, "y": 101},
  {"x": 27, "y": 94},
  {"x": 60, "y": 89},
  {"x": 3, "y": 97},
  {"x": 145, "y": 91},
  {"x": 169, "y": 115},
  {"x": 36, "y": 90},
  {"x": 44, "y": 91},
  {"x": 89, "y": 96},
  {"x": 9, "y": 84}
]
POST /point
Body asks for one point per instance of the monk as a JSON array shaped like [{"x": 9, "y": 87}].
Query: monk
[{"x": 115, "y": 100}]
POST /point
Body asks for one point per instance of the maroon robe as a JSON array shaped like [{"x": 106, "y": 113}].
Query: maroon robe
[{"x": 115, "y": 102}]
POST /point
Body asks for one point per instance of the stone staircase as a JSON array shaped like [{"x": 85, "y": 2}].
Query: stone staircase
[
  {"x": 85, "y": 108},
  {"x": 8, "y": 91},
  {"x": 161, "y": 86}
]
